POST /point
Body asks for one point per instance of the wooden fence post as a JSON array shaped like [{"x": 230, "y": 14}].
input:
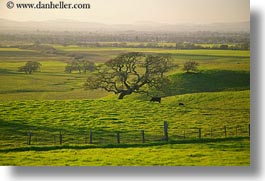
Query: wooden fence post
[
  {"x": 143, "y": 139},
  {"x": 225, "y": 130},
  {"x": 200, "y": 133},
  {"x": 118, "y": 137},
  {"x": 29, "y": 138},
  {"x": 165, "y": 130},
  {"x": 61, "y": 137},
  {"x": 249, "y": 130},
  {"x": 90, "y": 137}
]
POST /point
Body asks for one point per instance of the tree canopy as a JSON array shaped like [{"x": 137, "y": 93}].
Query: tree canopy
[
  {"x": 129, "y": 73},
  {"x": 190, "y": 66},
  {"x": 29, "y": 67},
  {"x": 79, "y": 64}
]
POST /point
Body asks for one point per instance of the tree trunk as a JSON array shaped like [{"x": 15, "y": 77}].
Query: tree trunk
[{"x": 121, "y": 95}]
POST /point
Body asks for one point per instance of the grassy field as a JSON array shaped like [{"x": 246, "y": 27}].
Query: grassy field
[
  {"x": 50, "y": 101},
  {"x": 76, "y": 117},
  {"x": 222, "y": 153}
]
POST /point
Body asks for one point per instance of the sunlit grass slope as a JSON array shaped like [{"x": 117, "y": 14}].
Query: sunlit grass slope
[
  {"x": 227, "y": 153},
  {"x": 202, "y": 110}
]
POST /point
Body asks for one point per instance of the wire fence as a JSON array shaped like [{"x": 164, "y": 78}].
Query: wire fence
[{"x": 97, "y": 136}]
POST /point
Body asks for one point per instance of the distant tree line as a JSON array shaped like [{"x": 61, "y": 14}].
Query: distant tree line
[
  {"x": 48, "y": 49},
  {"x": 189, "y": 46},
  {"x": 180, "y": 46},
  {"x": 91, "y": 38}
]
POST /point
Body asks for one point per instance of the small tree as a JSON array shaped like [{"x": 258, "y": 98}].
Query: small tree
[
  {"x": 224, "y": 47},
  {"x": 30, "y": 67},
  {"x": 79, "y": 64},
  {"x": 190, "y": 66},
  {"x": 130, "y": 73},
  {"x": 88, "y": 66},
  {"x": 73, "y": 66}
]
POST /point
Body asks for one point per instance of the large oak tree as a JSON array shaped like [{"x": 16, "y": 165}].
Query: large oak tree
[{"x": 129, "y": 73}]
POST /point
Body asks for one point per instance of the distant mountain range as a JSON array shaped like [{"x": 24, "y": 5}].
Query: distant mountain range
[{"x": 70, "y": 25}]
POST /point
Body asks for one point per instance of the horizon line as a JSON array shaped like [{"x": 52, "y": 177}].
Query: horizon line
[{"x": 137, "y": 22}]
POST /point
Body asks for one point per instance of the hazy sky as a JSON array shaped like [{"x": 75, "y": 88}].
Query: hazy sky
[{"x": 131, "y": 11}]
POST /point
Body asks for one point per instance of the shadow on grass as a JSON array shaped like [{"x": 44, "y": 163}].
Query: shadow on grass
[
  {"x": 8, "y": 72},
  {"x": 142, "y": 145},
  {"x": 208, "y": 81}
]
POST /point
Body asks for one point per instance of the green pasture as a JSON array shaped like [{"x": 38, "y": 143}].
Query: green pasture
[
  {"x": 102, "y": 54},
  {"x": 201, "y": 110},
  {"x": 226, "y": 153},
  {"x": 222, "y": 53}
]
